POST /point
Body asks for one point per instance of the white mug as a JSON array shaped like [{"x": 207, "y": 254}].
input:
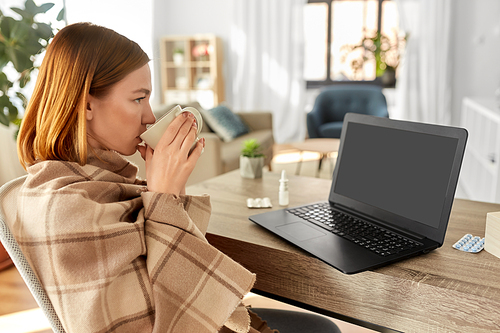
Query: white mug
[{"x": 153, "y": 134}]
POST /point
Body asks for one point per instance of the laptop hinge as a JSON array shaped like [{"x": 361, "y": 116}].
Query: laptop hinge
[{"x": 370, "y": 218}]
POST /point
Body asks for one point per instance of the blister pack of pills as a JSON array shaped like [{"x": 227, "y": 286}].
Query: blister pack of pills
[
  {"x": 259, "y": 203},
  {"x": 469, "y": 243}
]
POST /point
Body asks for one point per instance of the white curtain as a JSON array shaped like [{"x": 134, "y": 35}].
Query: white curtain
[
  {"x": 423, "y": 90},
  {"x": 266, "y": 46}
]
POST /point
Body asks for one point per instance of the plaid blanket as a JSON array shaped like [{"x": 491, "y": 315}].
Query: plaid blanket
[{"x": 114, "y": 257}]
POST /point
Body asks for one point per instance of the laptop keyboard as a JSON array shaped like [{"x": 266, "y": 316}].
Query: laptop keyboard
[{"x": 379, "y": 240}]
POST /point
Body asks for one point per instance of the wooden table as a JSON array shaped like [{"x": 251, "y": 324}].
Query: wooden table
[
  {"x": 318, "y": 145},
  {"x": 444, "y": 291}
]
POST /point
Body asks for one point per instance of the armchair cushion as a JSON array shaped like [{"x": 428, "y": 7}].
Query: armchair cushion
[{"x": 330, "y": 130}]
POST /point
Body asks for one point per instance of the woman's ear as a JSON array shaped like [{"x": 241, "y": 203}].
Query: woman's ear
[{"x": 88, "y": 112}]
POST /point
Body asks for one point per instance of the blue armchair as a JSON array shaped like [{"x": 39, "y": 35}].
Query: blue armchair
[{"x": 326, "y": 118}]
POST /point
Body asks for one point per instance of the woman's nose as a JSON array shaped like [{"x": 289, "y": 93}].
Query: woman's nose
[{"x": 148, "y": 117}]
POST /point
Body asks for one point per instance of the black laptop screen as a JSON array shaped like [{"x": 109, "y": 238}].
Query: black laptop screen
[{"x": 403, "y": 172}]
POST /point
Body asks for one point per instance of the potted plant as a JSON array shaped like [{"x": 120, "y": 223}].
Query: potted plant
[
  {"x": 178, "y": 56},
  {"x": 379, "y": 47},
  {"x": 20, "y": 41},
  {"x": 251, "y": 159}
]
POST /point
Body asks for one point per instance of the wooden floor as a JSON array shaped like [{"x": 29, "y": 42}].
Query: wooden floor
[{"x": 19, "y": 312}]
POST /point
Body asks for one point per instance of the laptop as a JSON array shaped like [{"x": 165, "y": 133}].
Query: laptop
[{"x": 391, "y": 195}]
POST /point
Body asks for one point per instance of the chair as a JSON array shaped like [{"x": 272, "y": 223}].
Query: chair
[
  {"x": 326, "y": 118},
  {"x": 8, "y": 200}
]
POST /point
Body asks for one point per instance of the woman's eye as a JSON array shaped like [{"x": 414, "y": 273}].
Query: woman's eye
[{"x": 138, "y": 100}]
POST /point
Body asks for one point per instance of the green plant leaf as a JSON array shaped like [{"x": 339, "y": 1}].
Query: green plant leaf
[
  {"x": 13, "y": 113},
  {"x": 31, "y": 7},
  {"x": 5, "y": 83},
  {"x": 61, "y": 15},
  {"x": 251, "y": 148},
  {"x": 6, "y": 26},
  {"x": 19, "y": 31},
  {"x": 3, "y": 119},
  {"x": 3, "y": 57},
  {"x": 45, "y": 7},
  {"x": 23, "y": 99},
  {"x": 25, "y": 15},
  {"x": 25, "y": 78},
  {"x": 32, "y": 46},
  {"x": 18, "y": 121},
  {"x": 19, "y": 59},
  {"x": 5, "y": 105},
  {"x": 44, "y": 31}
]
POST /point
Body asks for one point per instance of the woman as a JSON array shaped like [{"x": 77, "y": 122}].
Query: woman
[{"x": 113, "y": 254}]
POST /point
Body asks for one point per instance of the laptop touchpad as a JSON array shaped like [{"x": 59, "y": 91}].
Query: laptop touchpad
[{"x": 300, "y": 231}]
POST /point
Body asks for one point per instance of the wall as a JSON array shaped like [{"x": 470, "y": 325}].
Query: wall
[
  {"x": 130, "y": 18},
  {"x": 476, "y": 45}
]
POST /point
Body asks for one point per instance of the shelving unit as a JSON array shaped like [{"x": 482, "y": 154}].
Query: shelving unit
[
  {"x": 191, "y": 70},
  {"x": 480, "y": 174}
]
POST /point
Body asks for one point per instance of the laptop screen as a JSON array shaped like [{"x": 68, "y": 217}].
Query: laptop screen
[
  {"x": 400, "y": 173},
  {"x": 403, "y": 172}
]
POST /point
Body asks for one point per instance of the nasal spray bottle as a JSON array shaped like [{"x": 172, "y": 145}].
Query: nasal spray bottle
[{"x": 283, "y": 192}]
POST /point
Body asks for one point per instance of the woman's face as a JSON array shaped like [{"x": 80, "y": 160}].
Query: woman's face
[{"x": 116, "y": 120}]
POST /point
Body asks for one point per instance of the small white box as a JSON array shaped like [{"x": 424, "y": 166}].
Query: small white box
[{"x": 492, "y": 234}]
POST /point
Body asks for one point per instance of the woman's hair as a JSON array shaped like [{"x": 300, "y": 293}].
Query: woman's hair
[{"x": 82, "y": 58}]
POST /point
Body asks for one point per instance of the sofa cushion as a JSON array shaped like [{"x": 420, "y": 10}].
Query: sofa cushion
[
  {"x": 230, "y": 152},
  {"x": 226, "y": 124}
]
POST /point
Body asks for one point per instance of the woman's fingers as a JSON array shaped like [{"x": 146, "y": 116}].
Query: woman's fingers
[
  {"x": 189, "y": 140},
  {"x": 170, "y": 164},
  {"x": 197, "y": 150},
  {"x": 180, "y": 124}
]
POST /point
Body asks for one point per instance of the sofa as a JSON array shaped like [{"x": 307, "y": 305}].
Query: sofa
[{"x": 222, "y": 156}]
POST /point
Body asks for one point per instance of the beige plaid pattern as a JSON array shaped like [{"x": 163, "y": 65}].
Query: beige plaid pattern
[{"x": 116, "y": 258}]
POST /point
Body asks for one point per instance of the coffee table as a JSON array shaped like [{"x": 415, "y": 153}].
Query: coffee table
[{"x": 318, "y": 145}]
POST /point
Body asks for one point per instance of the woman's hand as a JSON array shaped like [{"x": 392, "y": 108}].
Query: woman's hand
[{"x": 170, "y": 164}]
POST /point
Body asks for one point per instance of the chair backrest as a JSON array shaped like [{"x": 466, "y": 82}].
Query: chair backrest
[
  {"x": 8, "y": 213},
  {"x": 334, "y": 102}
]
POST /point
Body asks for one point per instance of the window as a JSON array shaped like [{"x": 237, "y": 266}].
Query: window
[{"x": 341, "y": 39}]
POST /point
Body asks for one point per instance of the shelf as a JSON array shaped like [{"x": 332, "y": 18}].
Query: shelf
[
  {"x": 188, "y": 64},
  {"x": 197, "y": 67}
]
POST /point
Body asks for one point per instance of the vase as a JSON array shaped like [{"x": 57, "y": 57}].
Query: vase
[
  {"x": 251, "y": 167},
  {"x": 178, "y": 59}
]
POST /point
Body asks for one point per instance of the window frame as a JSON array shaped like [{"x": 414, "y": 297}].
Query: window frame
[{"x": 315, "y": 84}]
